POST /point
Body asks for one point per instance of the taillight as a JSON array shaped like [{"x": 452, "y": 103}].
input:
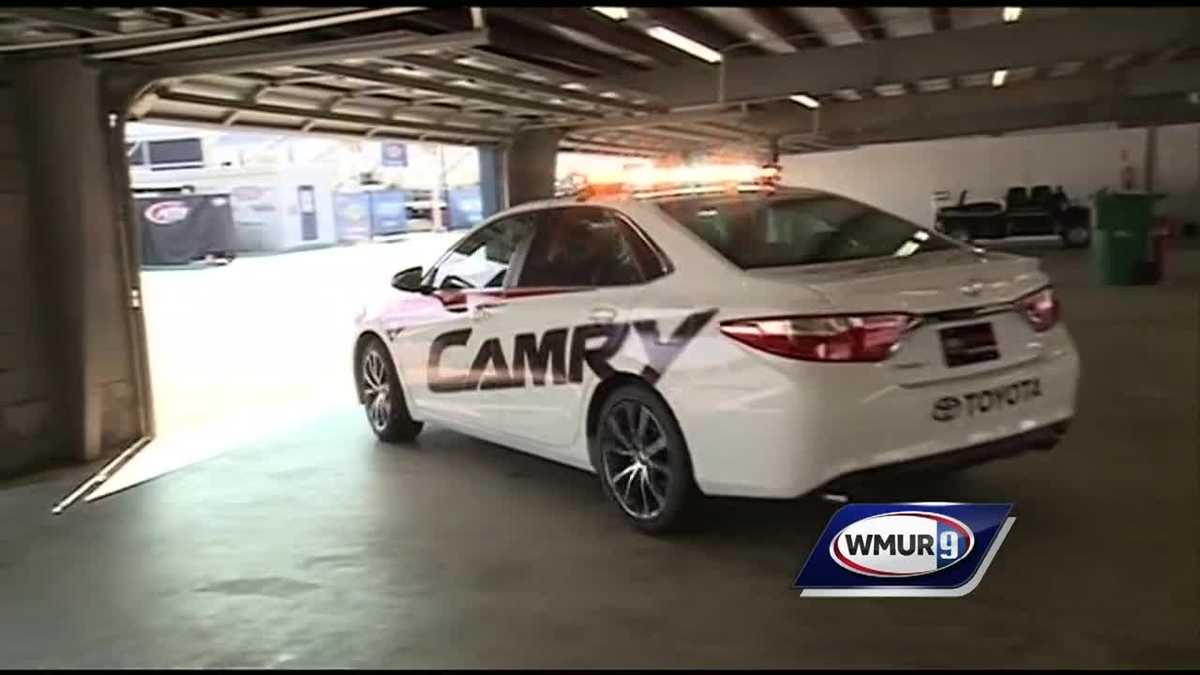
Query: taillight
[
  {"x": 1040, "y": 309},
  {"x": 870, "y": 337}
]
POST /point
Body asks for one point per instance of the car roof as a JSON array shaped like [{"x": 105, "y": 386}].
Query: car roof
[{"x": 624, "y": 199}]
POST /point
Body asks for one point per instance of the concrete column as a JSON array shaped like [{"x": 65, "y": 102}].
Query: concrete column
[
  {"x": 530, "y": 165},
  {"x": 78, "y": 253},
  {"x": 491, "y": 179}
]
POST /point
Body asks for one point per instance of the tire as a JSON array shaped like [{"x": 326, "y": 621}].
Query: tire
[
  {"x": 382, "y": 395},
  {"x": 1077, "y": 235},
  {"x": 647, "y": 475}
]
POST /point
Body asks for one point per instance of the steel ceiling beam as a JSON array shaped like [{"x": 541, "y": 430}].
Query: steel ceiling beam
[
  {"x": 736, "y": 131},
  {"x": 593, "y": 24},
  {"x": 701, "y": 30},
  {"x": 1083, "y": 99},
  {"x": 1153, "y": 111},
  {"x": 467, "y": 93},
  {"x": 787, "y": 27},
  {"x": 398, "y": 105},
  {"x": 513, "y": 38},
  {"x": 173, "y": 32},
  {"x": 221, "y": 38},
  {"x": 553, "y": 75},
  {"x": 304, "y": 129},
  {"x": 524, "y": 85},
  {"x": 395, "y": 43},
  {"x": 622, "y": 143},
  {"x": 324, "y": 115},
  {"x": 531, "y": 46},
  {"x": 1083, "y": 36},
  {"x": 90, "y": 22},
  {"x": 864, "y": 22},
  {"x": 548, "y": 62},
  {"x": 692, "y": 134},
  {"x": 648, "y": 120},
  {"x": 569, "y": 145},
  {"x": 501, "y": 79}
]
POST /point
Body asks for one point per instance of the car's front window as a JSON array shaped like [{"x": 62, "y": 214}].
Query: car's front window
[
  {"x": 797, "y": 229},
  {"x": 482, "y": 259},
  {"x": 582, "y": 246}
]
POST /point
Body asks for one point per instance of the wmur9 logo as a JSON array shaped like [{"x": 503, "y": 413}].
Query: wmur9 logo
[{"x": 922, "y": 549}]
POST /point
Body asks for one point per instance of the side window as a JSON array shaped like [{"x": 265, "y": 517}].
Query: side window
[
  {"x": 482, "y": 259},
  {"x": 585, "y": 246}
]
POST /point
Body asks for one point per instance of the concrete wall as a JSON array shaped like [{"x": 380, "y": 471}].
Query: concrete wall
[
  {"x": 901, "y": 177},
  {"x": 27, "y": 435},
  {"x": 67, "y": 366}
]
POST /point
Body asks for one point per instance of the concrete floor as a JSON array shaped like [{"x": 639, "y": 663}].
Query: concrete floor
[{"x": 315, "y": 546}]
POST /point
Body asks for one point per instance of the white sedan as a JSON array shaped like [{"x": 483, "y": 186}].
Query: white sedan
[{"x": 763, "y": 343}]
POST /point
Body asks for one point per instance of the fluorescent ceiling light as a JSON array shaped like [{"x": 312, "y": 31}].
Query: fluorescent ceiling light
[
  {"x": 1012, "y": 13},
  {"x": 614, "y": 13},
  {"x": 683, "y": 43},
  {"x": 806, "y": 100},
  {"x": 998, "y": 78}
]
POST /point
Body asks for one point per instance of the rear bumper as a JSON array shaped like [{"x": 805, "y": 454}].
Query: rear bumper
[
  {"x": 800, "y": 427},
  {"x": 1043, "y": 438}
]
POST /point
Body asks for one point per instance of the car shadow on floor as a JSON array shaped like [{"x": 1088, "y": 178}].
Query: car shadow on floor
[{"x": 728, "y": 519}]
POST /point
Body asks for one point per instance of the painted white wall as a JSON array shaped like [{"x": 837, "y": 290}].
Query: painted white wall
[
  {"x": 1178, "y": 171},
  {"x": 901, "y": 177}
]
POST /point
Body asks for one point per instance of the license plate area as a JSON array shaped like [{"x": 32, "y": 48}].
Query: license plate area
[{"x": 973, "y": 343}]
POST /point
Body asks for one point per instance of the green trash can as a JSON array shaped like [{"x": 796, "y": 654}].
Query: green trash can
[{"x": 1121, "y": 244}]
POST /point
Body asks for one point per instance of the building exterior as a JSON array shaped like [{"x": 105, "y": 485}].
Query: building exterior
[{"x": 288, "y": 191}]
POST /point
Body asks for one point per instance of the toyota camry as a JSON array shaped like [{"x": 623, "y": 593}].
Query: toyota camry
[{"x": 738, "y": 338}]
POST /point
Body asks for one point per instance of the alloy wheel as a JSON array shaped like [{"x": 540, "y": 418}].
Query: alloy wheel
[
  {"x": 377, "y": 390},
  {"x": 636, "y": 462}
]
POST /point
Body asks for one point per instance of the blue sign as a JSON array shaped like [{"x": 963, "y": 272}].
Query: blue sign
[
  {"x": 394, "y": 153},
  {"x": 389, "y": 214},
  {"x": 466, "y": 207},
  {"x": 352, "y": 216},
  {"x": 935, "y": 549}
]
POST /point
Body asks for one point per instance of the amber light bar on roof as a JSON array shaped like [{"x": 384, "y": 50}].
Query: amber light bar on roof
[{"x": 664, "y": 181}]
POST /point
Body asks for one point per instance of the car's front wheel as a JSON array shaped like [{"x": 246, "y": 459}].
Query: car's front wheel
[
  {"x": 642, "y": 459},
  {"x": 383, "y": 397}
]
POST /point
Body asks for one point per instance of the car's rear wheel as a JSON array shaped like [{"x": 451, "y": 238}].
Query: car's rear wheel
[
  {"x": 642, "y": 459},
  {"x": 383, "y": 397}
]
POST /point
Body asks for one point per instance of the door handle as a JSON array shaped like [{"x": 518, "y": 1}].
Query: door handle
[
  {"x": 603, "y": 315},
  {"x": 483, "y": 311}
]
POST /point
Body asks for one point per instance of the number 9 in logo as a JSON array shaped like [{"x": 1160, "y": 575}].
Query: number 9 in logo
[{"x": 948, "y": 545}]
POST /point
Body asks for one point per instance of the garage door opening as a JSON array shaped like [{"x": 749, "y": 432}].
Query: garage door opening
[{"x": 258, "y": 250}]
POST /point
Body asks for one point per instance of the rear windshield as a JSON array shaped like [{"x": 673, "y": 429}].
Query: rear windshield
[{"x": 798, "y": 229}]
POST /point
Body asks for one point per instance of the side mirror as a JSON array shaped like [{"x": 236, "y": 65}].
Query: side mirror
[{"x": 409, "y": 280}]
